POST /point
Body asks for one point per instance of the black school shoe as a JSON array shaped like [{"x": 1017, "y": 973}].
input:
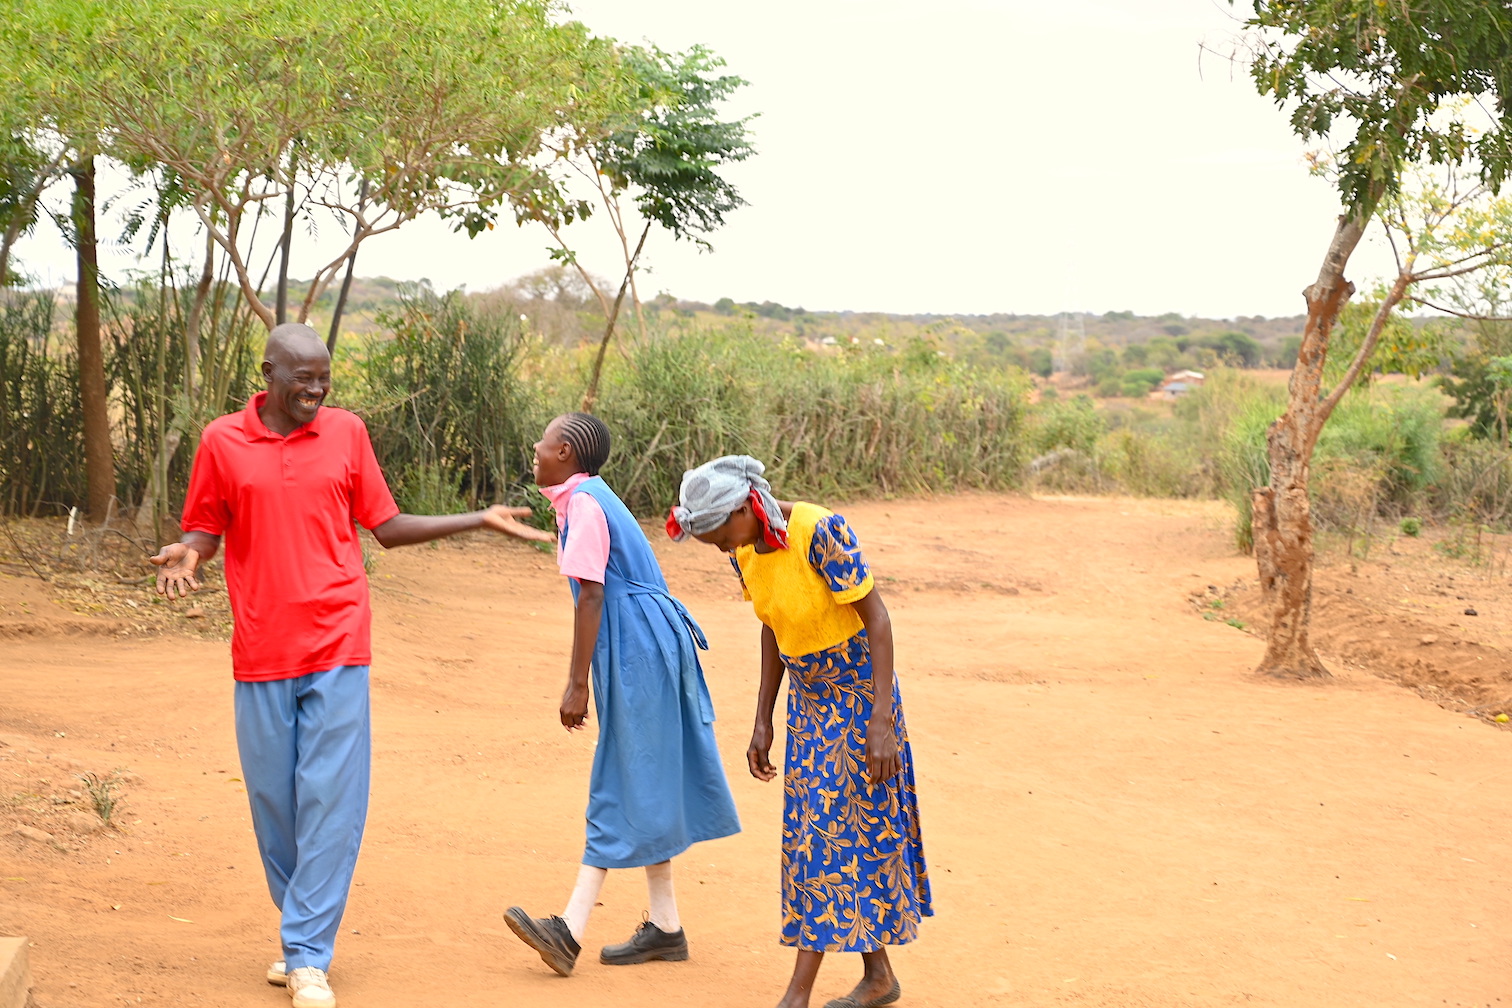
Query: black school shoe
[
  {"x": 548, "y": 936},
  {"x": 649, "y": 942}
]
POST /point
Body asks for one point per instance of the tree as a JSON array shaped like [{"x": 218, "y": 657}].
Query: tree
[
  {"x": 1237, "y": 348},
  {"x": 1480, "y": 379},
  {"x": 99, "y": 461},
  {"x": 666, "y": 152},
  {"x": 1481, "y": 387},
  {"x": 1384, "y": 80},
  {"x": 1398, "y": 82},
  {"x": 26, "y": 169},
  {"x": 437, "y": 105}
]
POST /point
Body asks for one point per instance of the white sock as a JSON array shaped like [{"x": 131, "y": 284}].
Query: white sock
[
  {"x": 663, "y": 899},
  {"x": 589, "y": 881}
]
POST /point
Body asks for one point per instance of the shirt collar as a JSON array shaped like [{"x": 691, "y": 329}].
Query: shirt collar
[
  {"x": 256, "y": 430},
  {"x": 559, "y": 494}
]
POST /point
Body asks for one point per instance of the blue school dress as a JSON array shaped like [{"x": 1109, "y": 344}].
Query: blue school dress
[{"x": 657, "y": 785}]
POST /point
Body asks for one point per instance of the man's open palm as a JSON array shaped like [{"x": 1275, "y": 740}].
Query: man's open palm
[
  {"x": 176, "y": 565},
  {"x": 506, "y": 520}
]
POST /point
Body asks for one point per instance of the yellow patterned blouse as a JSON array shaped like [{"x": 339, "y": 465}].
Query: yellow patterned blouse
[{"x": 807, "y": 610}]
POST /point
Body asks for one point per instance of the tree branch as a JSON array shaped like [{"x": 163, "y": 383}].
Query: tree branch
[
  {"x": 1368, "y": 344},
  {"x": 227, "y": 241},
  {"x": 18, "y": 219},
  {"x": 1461, "y": 314}
]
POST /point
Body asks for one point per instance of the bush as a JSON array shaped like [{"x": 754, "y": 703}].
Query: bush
[
  {"x": 163, "y": 410},
  {"x": 865, "y": 420},
  {"x": 452, "y": 419},
  {"x": 1066, "y": 423},
  {"x": 1241, "y": 460},
  {"x": 1141, "y": 381},
  {"x": 1476, "y": 482},
  {"x": 1393, "y": 433},
  {"x": 41, "y": 418},
  {"x": 455, "y": 405},
  {"x": 1212, "y": 444}
]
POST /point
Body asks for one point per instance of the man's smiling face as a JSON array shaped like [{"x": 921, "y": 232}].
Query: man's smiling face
[{"x": 298, "y": 373}]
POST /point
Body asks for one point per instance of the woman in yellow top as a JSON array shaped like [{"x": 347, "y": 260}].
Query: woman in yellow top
[{"x": 853, "y": 873}]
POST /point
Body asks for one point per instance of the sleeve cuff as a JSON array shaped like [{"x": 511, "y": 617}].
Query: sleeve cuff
[
  {"x": 861, "y": 590},
  {"x": 387, "y": 516}
]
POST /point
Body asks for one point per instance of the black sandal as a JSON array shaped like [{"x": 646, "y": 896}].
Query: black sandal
[{"x": 886, "y": 999}]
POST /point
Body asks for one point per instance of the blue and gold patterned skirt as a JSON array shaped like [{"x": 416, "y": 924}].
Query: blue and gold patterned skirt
[{"x": 853, "y": 874}]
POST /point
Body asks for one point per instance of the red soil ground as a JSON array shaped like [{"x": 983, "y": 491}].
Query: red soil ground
[{"x": 1116, "y": 812}]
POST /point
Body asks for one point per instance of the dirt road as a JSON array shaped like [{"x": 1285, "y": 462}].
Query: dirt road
[{"x": 1115, "y": 812}]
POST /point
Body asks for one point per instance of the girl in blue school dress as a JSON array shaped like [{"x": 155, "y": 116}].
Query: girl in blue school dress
[{"x": 657, "y": 784}]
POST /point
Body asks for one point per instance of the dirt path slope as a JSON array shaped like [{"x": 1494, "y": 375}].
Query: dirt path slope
[{"x": 1115, "y": 812}]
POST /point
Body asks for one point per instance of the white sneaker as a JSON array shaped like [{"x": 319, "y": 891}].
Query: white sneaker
[
  {"x": 278, "y": 973},
  {"x": 309, "y": 988}
]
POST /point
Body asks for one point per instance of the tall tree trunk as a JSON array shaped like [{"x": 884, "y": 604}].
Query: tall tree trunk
[
  {"x": 99, "y": 465},
  {"x": 1282, "y": 515},
  {"x": 281, "y": 313}
]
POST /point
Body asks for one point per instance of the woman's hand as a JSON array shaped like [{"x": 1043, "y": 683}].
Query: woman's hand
[
  {"x": 883, "y": 762},
  {"x": 757, "y": 757}
]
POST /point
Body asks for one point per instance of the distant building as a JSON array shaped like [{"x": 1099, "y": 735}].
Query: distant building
[{"x": 1177, "y": 385}]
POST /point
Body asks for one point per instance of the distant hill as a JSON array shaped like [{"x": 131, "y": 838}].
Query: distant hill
[
  {"x": 565, "y": 312},
  {"x": 1030, "y": 341}
]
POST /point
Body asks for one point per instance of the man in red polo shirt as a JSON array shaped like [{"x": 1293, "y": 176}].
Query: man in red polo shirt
[{"x": 285, "y": 482}]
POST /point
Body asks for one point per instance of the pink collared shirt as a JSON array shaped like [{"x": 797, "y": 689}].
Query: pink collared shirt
[{"x": 585, "y": 554}]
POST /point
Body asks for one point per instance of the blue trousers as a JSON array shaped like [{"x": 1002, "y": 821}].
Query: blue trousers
[{"x": 306, "y": 756}]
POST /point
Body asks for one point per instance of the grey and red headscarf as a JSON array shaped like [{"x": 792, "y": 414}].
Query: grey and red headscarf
[{"x": 712, "y": 491}]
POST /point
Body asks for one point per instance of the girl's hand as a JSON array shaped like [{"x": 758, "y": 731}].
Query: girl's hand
[
  {"x": 757, "y": 755},
  {"x": 574, "y": 710},
  {"x": 883, "y": 761}
]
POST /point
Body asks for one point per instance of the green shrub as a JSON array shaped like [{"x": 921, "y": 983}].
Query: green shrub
[
  {"x": 674, "y": 402},
  {"x": 863, "y": 420},
  {"x": 1141, "y": 381},
  {"x": 1475, "y": 482},
  {"x": 41, "y": 418},
  {"x": 1393, "y": 432},
  {"x": 451, "y": 417},
  {"x": 1410, "y": 526},
  {"x": 1379, "y": 452},
  {"x": 1066, "y": 423}
]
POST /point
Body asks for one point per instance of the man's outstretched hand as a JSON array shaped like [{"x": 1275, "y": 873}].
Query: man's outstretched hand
[
  {"x": 176, "y": 566},
  {"x": 507, "y": 520}
]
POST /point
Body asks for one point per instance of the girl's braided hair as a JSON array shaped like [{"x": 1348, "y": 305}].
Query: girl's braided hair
[{"x": 589, "y": 439}]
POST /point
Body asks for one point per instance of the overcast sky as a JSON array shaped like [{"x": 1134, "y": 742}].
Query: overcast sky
[{"x": 964, "y": 156}]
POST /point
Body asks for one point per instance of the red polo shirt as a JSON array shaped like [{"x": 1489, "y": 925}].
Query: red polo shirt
[{"x": 286, "y": 508}]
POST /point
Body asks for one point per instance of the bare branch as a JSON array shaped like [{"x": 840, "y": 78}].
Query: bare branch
[
  {"x": 1367, "y": 345},
  {"x": 227, "y": 241},
  {"x": 1487, "y": 254},
  {"x": 1460, "y": 314}
]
